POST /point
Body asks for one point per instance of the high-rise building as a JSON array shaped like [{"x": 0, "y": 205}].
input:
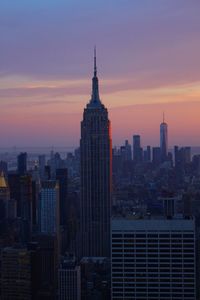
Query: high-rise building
[
  {"x": 96, "y": 174},
  {"x": 156, "y": 156},
  {"x": 147, "y": 154},
  {"x": 137, "y": 150},
  {"x": 163, "y": 140},
  {"x": 126, "y": 151},
  {"x": 69, "y": 280},
  {"x": 15, "y": 274},
  {"x": 21, "y": 192},
  {"x": 42, "y": 164},
  {"x": 62, "y": 177},
  {"x": 49, "y": 207},
  {"x": 22, "y": 163},
  {"x": 45, "y": 255},
  {"x": 153, "y": 259}
]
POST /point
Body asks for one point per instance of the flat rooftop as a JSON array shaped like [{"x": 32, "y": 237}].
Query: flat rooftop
[{"x": 125, "y": 224}]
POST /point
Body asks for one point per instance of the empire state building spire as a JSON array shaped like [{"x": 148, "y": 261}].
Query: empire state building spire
[
  {"x": 95, "y": 99},
  {"x": 96, "y": 176}
]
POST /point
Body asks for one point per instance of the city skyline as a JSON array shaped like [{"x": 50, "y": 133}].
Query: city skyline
[{"x": 46, "y": 64}]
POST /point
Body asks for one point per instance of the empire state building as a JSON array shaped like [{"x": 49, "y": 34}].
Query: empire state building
[{"x": 96, "y": 173}]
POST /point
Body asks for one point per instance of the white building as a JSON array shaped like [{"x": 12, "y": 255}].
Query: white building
[{"x": 153, "y": 259}]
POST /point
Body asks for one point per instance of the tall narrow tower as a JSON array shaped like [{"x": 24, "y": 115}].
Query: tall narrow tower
[
  {"x": 163, "y": 139},
  {"x": 96, "y": 172}
]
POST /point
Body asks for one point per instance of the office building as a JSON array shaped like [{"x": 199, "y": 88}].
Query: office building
[
  {"x": 69, "y": 280},
  {"x": 42, "y": 164},
  {"x": 96, "y": 174},
  {"x": 137, "y": 150},
  {"x": 21, "y": 191},
  {"x": 156, "y": 156},
  {"x": 45, "y": 255},
  {"x": 15, "y": 274},
  {"x": 153, "y": 259},
  {"x": 62, "y": 178},
  {"x": 147, "y": 154},
  {"x": 22, "y": 163},
  {"x": 49, "y": 207}
]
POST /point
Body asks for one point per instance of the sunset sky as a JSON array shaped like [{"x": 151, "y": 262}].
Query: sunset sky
[{"x": 148, "y": 56}]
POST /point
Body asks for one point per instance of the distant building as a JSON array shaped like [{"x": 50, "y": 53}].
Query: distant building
[
  {"x": 163, "y": 140},
  {"x": 62, "y": 178},
  {"x": 42, "y": 164},
  {"x": 126, "y": 152},
  {"x": 21, "y": 191},
  {"x": 147, "y": 154},
  {"x": 156, "y": 159},
  {"x": 49, "y": 207},
  {"x": 137, "y": 150},
  {"x": 22, "y": 163},
  {"x": 153, "y": 259},
  {"x": 182, "y": 156},
  {"x": 4, "y": 167}
]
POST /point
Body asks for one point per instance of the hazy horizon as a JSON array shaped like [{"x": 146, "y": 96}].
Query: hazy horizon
[{"x": 147, "y": 58}]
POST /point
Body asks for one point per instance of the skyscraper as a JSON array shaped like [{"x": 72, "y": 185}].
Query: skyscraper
[
  {"x": 153, "y": 259},
  {"x": 49, "y": 207},
  {"x": 137, "y": 150},
  {"x": 22, "y": 163},
  {"x": 15, "y": 273},
  {"x": 96, "y": 172},
  {"x": 163, "y": 140}
]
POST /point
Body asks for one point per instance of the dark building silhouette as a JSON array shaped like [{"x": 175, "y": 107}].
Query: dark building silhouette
[
  {"x": 95, "y": 278},
  {"x": 163, "y": 140},
  {"x": 137, "y": 150},
  {"x": 126, "y": 151},
  {"x": 62, "y": 178},
  {"x": 15, "y": 274},
  {"x": 22, "y": 163},
  {"x": 45, "y": 266},
  {"x": 42, "y": 164},
  {"x": 156, "y": 156},
  {"x": 21, "y": 192},
  {"x": 96, "y": 159},
  {"x": 4, "y": 167},
  {"x": 147, "y": 154}
]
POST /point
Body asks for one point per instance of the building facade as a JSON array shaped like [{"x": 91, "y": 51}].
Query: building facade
[
  {"x": 96, "y": 172},
  {"x": 15, "y": 274},
  {"x": 49, "y": 207},
  {"x": 69, "y": 280},
  {"x": 153, "y": 259},
  {"x": 137, "y": 149},
  {"x": 163, "y": 140}
]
